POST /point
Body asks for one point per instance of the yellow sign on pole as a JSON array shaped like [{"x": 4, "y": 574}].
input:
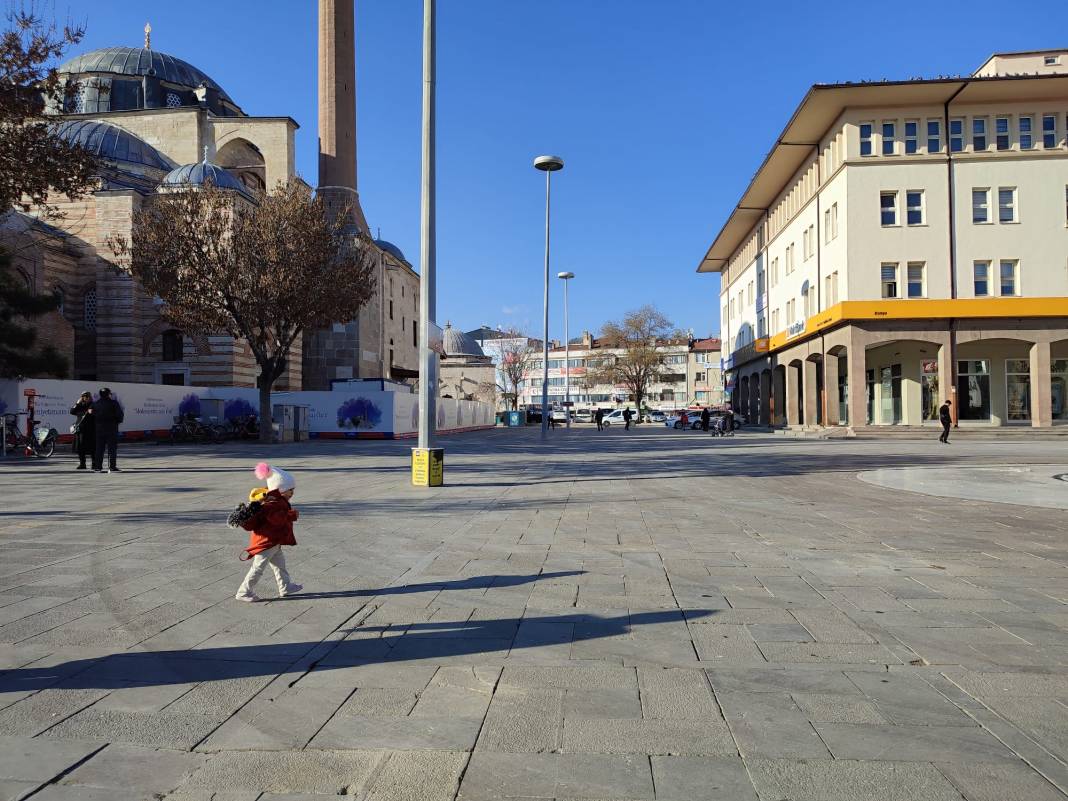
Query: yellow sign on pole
[{"x": 428, "y": 467}]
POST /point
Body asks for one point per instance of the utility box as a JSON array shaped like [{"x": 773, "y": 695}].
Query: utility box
[
  {"x": 428, "y": 467},
  {"x": 290, "y": 422},
  {"x": 516, "y": 419}
]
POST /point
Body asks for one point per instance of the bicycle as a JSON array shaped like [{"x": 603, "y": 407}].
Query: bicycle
[{"x": 41, "y": 443}]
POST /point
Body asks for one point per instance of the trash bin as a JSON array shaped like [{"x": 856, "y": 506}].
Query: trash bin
[{"x": 517, "y": 418}]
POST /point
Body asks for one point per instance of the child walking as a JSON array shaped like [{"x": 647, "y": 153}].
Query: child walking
[{"x": 270, "y": 527}]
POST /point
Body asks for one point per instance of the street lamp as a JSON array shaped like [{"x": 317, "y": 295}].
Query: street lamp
[
  {"x": 565, "y": 277},
  {"x": 548, "y": 165}
]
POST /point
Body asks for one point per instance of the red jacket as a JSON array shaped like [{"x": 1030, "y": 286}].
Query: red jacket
[{"x": 272, "y": 525}]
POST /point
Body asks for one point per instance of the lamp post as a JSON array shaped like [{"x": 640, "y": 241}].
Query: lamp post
[
  {"x": 548, "y": 165},
  {"x": 565, "y": 277}
]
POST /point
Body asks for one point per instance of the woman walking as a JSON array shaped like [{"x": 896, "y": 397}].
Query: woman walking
[{"x": 84, "y": 429}]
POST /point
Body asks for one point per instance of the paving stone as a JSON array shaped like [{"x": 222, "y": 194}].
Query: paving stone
[
  {"x": 130, "y": 768},
  {"x": 774, "y": 680},
  {"x": 848, "y": 780},
  {"x": 569, "y": 678},
  {"x": 423, "y": 733},
  {"x": 828, "y": 652},
  {"x": 912, "y": 743},
  {"x": 523, "y": 720},
  {"x": 36, "y": 760},
  {"x": 683, "y": 778},
  {"x": 137, "y": 728},
  {"x": 647, "y": 736},
  {"x": 985, "y": 781},
  {"x": 602, "y": 704},
  {"x": 779, "y": 632},
  {"x": 676, "y": 694},
  {"x": 828, "y": 625},
  {"x": 831, "y": 708},
  {"x": 1041, "y": 685},
  {"x": 419, "y": 776},
  {"x": 771, "y": 725},
  {"x": 376, "y": 702},
  {"x": 726, "y": 644},
  {"x": 326, "y": 772},
  {"x": 909, "y": 701},
  {"x": 494, "y": 776}
]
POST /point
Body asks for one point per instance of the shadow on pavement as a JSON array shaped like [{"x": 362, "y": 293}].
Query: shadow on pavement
[
  {"x": 392, "y": 644},
  {"x": 473, "y": 583}
]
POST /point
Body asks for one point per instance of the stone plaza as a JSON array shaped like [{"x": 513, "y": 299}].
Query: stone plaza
[{"x": 628, "y": 616}]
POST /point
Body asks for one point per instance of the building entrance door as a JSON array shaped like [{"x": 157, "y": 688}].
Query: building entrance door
[{"x": 890, "y": 400}]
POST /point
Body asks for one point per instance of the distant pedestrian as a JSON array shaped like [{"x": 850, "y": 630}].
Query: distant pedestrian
[
  {"x": 684, "y": 420},
  {"x": 270, "y": 527},
  {"x": 599, "y": 417},
  {"x": 706, "y": 416},
  {"x": 946, "y": 419},
  {"x": 107, "y": 414},
  {"x": 627, "y": 415},
  {"x": 84, "y": 429}
]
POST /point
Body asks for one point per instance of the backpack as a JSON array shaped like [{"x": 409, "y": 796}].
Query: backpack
[{"x": 243, "y": 513}]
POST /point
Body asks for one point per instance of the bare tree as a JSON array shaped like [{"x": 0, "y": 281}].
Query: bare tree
[
  {"x": 637, "y": 335},
  {"x": 34, "y": 160},
  {"x": 516, "y": 354},
  {"x": 262, "y": 272}
]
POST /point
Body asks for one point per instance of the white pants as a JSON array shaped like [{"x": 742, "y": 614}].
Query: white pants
[{"x": 277, "y": 560}]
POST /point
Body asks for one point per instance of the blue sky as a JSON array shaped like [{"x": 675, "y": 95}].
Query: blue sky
[{"x": 661, "y": 109}]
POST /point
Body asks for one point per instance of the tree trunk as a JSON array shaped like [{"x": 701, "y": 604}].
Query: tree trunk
[{"x": 266, "y": 422}]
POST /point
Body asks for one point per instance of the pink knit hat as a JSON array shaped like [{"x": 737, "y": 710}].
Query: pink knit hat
[{"x": 276, "y": 477}]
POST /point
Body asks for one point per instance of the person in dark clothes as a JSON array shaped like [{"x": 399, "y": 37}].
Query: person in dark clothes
[
  {"x": 599, "y": 417},
  {"x": 107, "y": 414},
  {"x": 946, "y": 419},
  {"x": 627, "y": 414},
  {"x": 84, "y": 429},
  {"x": 706, "y": 416}
]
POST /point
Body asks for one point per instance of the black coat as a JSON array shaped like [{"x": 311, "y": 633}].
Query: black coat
[
  {"x": 944, "y": 416},
  {"x": 86, "y": 434},
  {"x": 107, "y": 413}
]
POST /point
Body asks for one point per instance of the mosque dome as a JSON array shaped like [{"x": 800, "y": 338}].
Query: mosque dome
[
  {"x": 112, "y": 143},
  {"x": 201, "y": 173},
  {"x": 391, "y": 249},
  {"x": 457, "y": 343}
]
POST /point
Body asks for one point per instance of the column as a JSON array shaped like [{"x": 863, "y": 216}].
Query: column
[
  {"x": 1041, "y": 386},
  {"x": 858, "y": 385},
  {"x": 793, "y": 380},
  {"x": 811, "y": 397},
  {"x": 830, "y": 388}
]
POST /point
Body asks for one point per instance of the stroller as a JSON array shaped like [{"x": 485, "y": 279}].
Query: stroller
[{"x": 722, "y": 426}]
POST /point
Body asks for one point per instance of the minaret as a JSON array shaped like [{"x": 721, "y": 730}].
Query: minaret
[{"x": 337, "y": 107}]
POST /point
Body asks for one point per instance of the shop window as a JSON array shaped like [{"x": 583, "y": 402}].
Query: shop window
[
  {"x": 1059, "y": 388},
  {"x": 1018, "y": 389},
  {"x": 173, "y": 346},
  {"x": 973, "y": 389},
  {"x": 869, "y": 395}
]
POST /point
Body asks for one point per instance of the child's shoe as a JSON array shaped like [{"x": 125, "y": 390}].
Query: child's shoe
[
  {"x": 251, "y": 598},
  {"x": 292, "y": 589}
]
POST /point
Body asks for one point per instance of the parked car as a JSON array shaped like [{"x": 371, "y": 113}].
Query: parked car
[
  {"x": 560, "y": 415},
  {"x": 693, "y": 421},
  {"x": 583, "y": 416},
  {"x": 614, "y": 417},
  {"x": 656, "y": 416}
]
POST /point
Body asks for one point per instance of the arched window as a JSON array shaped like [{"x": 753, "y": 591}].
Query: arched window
[
  {"x": 57, "y": 293},
  {"x": 173, "y": 346},
  {"x": 89, "y": 320}
]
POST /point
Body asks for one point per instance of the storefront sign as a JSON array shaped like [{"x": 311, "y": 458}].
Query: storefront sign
[
  {"x": 929, "y": 366},
  {"x": 795, "y": 330}
]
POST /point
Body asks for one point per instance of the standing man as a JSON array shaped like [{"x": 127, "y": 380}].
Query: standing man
[
  {"x": 627, "y": 414},
  {"x": 946, "y": 419},
  {"x": 84, "y": 430},
  {"x": 599, "y": 417},
  {"x": 706, "y": 416},
  {"x": 107, "y": 414}
]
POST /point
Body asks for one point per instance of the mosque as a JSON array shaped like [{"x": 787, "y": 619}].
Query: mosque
[{"x": 156, "y": 121}]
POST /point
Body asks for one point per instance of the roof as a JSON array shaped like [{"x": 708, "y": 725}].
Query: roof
[
  {"x": 457, "y": 343},
  {"x": 391, "y": 249},
  {"x": 824, "y": 103},
  {"x": 712, "y": 343},
  {"x": 201, "y": 173},
  {"x": 112, "y": 143},
  {"x": 138, "y": 61}
]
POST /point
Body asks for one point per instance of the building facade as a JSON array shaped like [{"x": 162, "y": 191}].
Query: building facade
[
  {"x": 906, "y": 243},
  {"x": 676, "y": 386}
]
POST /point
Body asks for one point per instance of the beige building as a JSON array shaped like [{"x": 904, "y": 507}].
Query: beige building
[
  {"x": 905, "y": 243},
  {"x": 465, "y": 372},
  {"x": 155, "y": 122},
  {"x": 676, "y": 386}
]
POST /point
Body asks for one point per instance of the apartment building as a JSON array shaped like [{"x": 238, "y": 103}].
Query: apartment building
[
  {"x": 902, "y": 244},
  {"x": 675, "y": 387}
]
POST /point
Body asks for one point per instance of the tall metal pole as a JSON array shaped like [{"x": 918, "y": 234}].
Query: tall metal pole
[
  {"x": 567, "y": 363},
  {"x": 428, "y": 359},
  {"x": 545, "y": 327}
]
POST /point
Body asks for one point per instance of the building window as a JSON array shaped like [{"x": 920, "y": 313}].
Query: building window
[
  {"x": 1001, "y": 133},
  {"x": 173, "y": 346},
  {"x": 833, "y": 297},
  {"x": 1018, "y": 388},
  {"x": 889, "y": 129},
  {"x": 978, "y": 133},
  {"x": 790, "y": 258},
  {"x": 89, "y": 313},
  {"x": 865, "y": 138},
  {"x": 1010, "y": 284},
  {"x": 391, "y": 307},
  {"x": 826, "y": 226},
  {"x": 956, "y": 135},
  {"x": 57, "y": 294},
  {"x": 914, "y": 207},
  {"x": 749, "y": 293},
  {"x": 888, "y": 274},
  {"x": 415, "y": 334},
  {"x": 804, "y": 245},
  {"x": 834, "y": 221},
  {"x": 888, "y": 208},
  {"x": 980, "y": 205},
  {"x": 775, "y": 270},
  {"x": 1026, "y": 126},
  {"x": 934, "y": 136},
  {"x": 916, "y": 279},
  {"x": 912, "y": 137},
  {"x": 1051, "y": 61},
  {"x": 1007, "y": 204},
  {"x": 1049, "y": 131},
  {"x": 981, "y": 278},
  {"x": 775, "y": 321}
]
